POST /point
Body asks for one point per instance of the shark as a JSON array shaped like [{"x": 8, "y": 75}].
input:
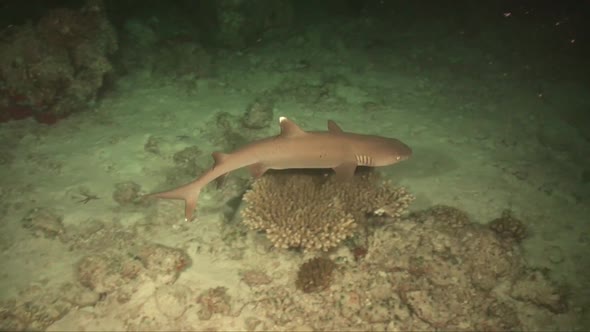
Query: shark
[{"x": 295, "y": 148}]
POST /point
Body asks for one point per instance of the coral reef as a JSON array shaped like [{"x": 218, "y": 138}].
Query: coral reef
[
  {"x": 315, "y": 212},
  {"x": 434, "y": 270},
  {"x": 508, "y": 227},
  {"x": 57, "y": 66},
  {"x": 425, "y": 273},
  {"x": 315, "y": 275}
]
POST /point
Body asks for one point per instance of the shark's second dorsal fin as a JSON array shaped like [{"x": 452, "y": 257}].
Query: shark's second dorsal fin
[
  {"x": 289, "y": 128},
  {"x": 334, "y": 128}
]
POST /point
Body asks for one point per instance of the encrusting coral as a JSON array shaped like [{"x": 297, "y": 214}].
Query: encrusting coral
[
  {"x": 315, "y": 212},
  {"x": 508, "y": 227},
  {"x": 315, "y": 274}
]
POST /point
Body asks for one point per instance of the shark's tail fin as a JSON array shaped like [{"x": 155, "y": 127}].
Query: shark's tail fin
[{"x": 189, "y": 193}]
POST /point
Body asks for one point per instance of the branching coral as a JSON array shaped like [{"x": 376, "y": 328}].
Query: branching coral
[{"x": 314, "y": 212}]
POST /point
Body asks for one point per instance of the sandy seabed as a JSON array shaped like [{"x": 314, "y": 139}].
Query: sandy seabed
[{"x": 79, "y": 252}]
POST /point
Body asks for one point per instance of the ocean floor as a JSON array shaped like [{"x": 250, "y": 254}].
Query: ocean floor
[{"x": 80, "y": 251}]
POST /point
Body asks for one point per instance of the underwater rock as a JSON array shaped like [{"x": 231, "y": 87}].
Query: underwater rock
[
  {"x": 489, "y": 259},
  {"x": 444, "y": 214},
  {"x": 127, "y": 193},
  {"x": 554, "y": 254},
  {"x": 163, "y": 263},
  {"x": 34, "y": 309},
  {"x": 6, "y": 158},
  {"x": 56, "y": 65},
  {"x": 214, "y": 301},
  {"x": 315, "y": 275},
  {"x": 539, "y": 290},
  {"x": 259, "y": 114},
  {"x": 501, "y": 317},
  {"x": 428, "y": 308},
  {"x": 255, "y": 278},
  {"x": 225, "y": 134},
  {"x": 152, "y": 145},
  {"x": 187, "y": 160},
  {"x": 173, "y": 300},
  {"x": 45, "y": 222},
  {"x": 108, "y": 271},
  {"x": 442, "y": 276},
  {"x": 238, "y": 23},
  {"x": 508, "y": 227},
  {"x": 421, "y": 274},
  {"x": 181, "y": 59}
]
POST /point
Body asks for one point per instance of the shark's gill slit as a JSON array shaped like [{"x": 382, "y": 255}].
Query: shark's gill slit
[{"x": 363, "y": 160}]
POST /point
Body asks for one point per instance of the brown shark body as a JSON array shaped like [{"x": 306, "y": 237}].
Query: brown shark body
[{"x": 295, "y": 148}]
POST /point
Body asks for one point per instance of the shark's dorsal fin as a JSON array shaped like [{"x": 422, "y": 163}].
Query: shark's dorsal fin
[
  {"x": 289, "y": 128},
  {"x": 334, "y": 128}
]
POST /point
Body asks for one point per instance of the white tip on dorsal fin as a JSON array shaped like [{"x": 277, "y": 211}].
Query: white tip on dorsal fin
[
  {"x": 334, "y": 128},
  {"x": 289, "y": 128}
]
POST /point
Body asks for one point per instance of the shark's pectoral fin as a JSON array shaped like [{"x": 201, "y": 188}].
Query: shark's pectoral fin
[
  {"x": 257, "y": 170},
  {"x": 345, "y": 171}
]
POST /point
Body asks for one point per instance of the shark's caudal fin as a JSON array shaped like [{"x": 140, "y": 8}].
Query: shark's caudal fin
[{"x": 189, "y": 193}]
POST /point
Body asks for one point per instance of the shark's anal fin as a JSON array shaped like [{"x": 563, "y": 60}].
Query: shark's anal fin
[
  {"x": 218, "y": 157},
  {"x": 257, "y": 170},
  {"x": 345, "y": 171}
]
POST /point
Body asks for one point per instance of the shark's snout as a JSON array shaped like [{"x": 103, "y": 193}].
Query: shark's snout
[{"x": 404, "y": 151}]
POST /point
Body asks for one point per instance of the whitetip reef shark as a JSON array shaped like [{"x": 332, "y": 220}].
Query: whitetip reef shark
[{"x": 295, "y": 148}]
